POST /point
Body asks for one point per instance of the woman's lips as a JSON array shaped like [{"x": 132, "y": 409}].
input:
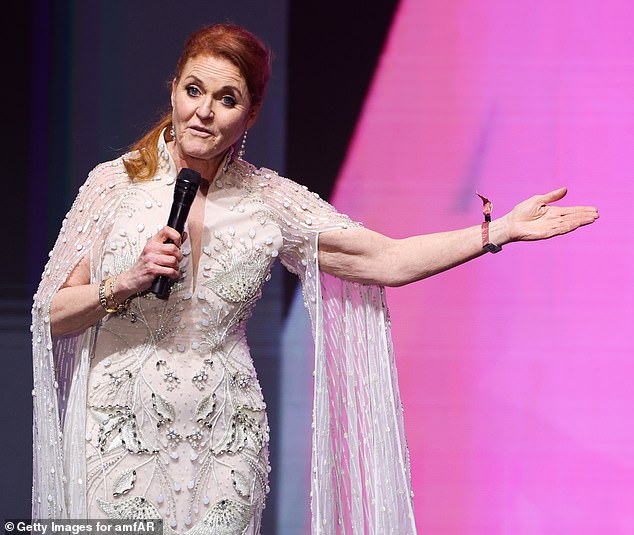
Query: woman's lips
[{"x": 200, "y": 131}]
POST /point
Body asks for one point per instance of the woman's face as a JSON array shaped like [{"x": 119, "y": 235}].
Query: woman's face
[{"x": 211, "y": 108}]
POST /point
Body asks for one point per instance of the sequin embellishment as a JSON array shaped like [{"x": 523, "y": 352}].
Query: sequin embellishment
[
  {"x": 241, "y": 277},
  {"x": 225, "y": 517}
]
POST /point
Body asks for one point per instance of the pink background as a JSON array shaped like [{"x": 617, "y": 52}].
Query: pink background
[{"x": 516, "y": 370}]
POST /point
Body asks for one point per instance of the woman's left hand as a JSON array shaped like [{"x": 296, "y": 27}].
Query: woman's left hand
[{"x": 536, "y": 219}]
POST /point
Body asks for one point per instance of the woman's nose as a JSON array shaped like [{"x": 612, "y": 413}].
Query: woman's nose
[{"x": 205, "y": 108}]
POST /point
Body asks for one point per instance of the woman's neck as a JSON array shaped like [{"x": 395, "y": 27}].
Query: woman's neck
[{"x": 207, "y": 168}]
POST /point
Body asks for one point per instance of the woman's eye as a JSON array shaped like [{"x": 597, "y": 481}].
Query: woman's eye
[
  {"x": 229, "y": 101},
  {"x": 192, "y": 91}
]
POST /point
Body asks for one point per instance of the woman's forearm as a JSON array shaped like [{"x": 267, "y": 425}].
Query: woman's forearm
[
  {"x": 372, "y": 258},
  {"x": 420, "y": 257},
  {"x": 75, "y": 308}
]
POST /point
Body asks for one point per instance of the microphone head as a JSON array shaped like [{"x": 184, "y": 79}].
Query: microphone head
[
  {"x": 189, "y": 175},
  {"x": 186, "y": 186}
]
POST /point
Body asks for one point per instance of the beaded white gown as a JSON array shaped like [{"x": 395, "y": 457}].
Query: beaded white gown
[
  {"x": 157, "y": 412},
  {"x": 176, "y": 423}
]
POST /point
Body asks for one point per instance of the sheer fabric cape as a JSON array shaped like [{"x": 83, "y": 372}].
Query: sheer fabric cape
[{"x": 360, "y": 479}]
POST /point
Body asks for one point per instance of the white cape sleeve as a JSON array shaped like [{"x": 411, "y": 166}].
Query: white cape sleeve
[
  {"x": 360, "y": 474},
  {"x": 59, "y": 423}
]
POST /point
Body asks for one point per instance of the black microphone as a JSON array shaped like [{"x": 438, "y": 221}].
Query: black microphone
[{"x": 187, "y": 183}]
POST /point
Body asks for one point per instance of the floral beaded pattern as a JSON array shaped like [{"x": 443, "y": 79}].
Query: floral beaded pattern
[{"x": 176, "y": 426}]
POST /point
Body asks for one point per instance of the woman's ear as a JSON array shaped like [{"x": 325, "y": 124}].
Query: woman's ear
[
  {"x": 173, "y": 91},
  {"x": 253, "y": 116}
]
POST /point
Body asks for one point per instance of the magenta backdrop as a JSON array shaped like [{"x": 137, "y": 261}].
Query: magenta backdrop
[{"x": 516, "y": 371}]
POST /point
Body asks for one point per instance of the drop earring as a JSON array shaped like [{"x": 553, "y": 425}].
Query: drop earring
[
  {"x": 228, "y": 160},
  {"x": 172, "y": 133},
  {"x": 243, "y": 146}
]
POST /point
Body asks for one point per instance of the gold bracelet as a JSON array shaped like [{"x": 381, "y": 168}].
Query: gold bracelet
[
  {"x": 117, "y": 306},
  {"x": 113, "y": 300},
  {"x": 102, "y": 298}
]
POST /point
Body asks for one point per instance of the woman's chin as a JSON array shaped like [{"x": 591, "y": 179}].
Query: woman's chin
[{"x": 197, "y": 152}]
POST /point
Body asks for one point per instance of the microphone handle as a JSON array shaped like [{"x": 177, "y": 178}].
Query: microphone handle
[
  {"x": 187, "y": 183},
  {"x": 178, "y": 215},
  {"x": 162, "y": 284}
]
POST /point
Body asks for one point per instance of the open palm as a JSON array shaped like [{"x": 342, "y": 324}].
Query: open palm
[{"x": 536, "y": 219}]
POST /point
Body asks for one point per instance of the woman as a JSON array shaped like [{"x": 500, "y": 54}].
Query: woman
[{"x": 145, "y": 408}]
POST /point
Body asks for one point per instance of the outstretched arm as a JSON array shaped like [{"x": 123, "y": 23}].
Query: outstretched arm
[{"x": 369, "y": 257}]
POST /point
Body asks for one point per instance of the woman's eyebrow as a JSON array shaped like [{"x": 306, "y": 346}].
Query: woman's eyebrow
[
  {"x": 231, "y": 88},
  {"x": 195, "y": 79},
  {"x": 226, "y": 87}
]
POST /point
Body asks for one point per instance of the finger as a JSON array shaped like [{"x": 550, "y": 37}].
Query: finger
[
  {"x": 583, "y": 218},
  {"x": 170, "y": 249},
  {"x": 571, "y": 210},
  {"x": 184, "y": 237},
  {"x": 575, "y": 209},
  {"x": 169, "y": 260},
  {"x": 586, "y": 213},
  {"x": 554, "y": 195},
  {"x": 583, "y": 211},
  {"x": 163, "y": 260},
  {"x": 168, "y": 233},
  {"x": 570, "y": 222},
  {"x": 568, "y": 226},
  {"x": 167, "y": 271},
  {"x": 174, "y": 235}
]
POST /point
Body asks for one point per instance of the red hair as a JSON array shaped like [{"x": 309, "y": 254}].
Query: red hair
[{"x": 228, "y": 41}]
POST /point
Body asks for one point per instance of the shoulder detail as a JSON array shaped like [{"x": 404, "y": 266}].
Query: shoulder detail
[
  {"x": 242, "y": 168},
  {"x": 299, "y": 208},
  {"x": 293, "y": 205},
  {"x": 86, "y": 223},
  {"x": 108, "y": 174}
]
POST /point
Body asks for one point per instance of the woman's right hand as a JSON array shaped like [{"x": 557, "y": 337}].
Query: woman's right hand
[
  {"x": 157, "y": 258},
  {"x": 76, "y": 306}
]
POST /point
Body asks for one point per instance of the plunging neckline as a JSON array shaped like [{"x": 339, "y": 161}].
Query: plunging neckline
[
  {"x": 196, "y": 237},
  {"x": 213, "y": 185}
]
